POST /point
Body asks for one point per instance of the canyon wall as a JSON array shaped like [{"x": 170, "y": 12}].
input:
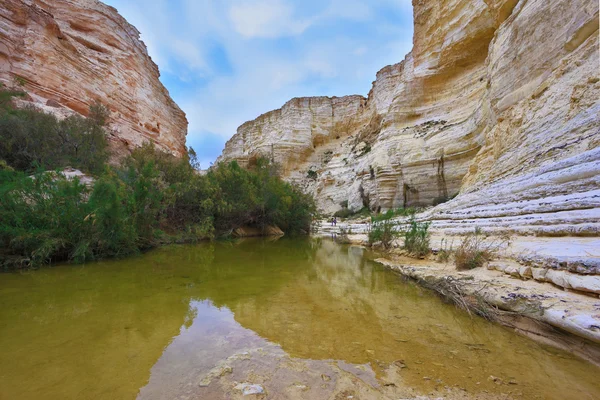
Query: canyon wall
[
  {"x": 69, "y": 53},
  {"x": 498, "y": 103}
]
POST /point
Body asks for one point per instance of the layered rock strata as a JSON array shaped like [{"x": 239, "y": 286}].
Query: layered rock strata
[
  {"x": 499, "y": 102},
  {"x": 70, "y": 53}
]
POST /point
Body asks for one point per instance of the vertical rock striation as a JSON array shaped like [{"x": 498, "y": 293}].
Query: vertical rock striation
[
  {"x": 499, "y": 101},
  {"x": 70, "y": 53}
]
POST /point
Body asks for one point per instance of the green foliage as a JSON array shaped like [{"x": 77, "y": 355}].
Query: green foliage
[
  {"x": 312, "y": 174},
  {"x": 417, "y": 237},
  {"x": 259, "y": 197},
  {"x": 31, "y": 139},
  {"x": 389, "y": 214},
  {"x": 48, "y": 217},
  {"x": 347, "y": 213},
  {"x": 446, "y": 251},
  {"x": 384, "y": 232},
  {"x": 193, "y": 159},
  {"x": 152, "y": 198}
]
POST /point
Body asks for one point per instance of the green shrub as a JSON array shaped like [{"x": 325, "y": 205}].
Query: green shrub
[
  {"x": 50, "y": 218},
  {"x": 31, "y": 139},
  {"x": 391, "y": 213},
  {"x": 417, "y": 237},
  {"x": 383, "y": 232},
  {"x": 153, "y": 198}
]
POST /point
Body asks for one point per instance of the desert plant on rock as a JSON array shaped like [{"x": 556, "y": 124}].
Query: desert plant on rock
[
  {"x": 384, "y": 232},
  {"x": 417, "y": 237},
  {"x": 475, "y": 251},
  {"x": 445, "y": 252}
]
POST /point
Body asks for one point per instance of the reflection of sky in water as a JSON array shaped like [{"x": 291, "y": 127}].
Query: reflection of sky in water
[{"x": 213, "y": 336}]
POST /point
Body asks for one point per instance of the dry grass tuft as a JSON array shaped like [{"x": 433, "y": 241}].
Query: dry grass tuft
[{"x": 475, "y": 251}]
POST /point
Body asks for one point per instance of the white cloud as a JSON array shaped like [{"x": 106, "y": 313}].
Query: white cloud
[
  {"x": 266, "y": 19},
  {"x": 350, "y": 9},
  {"x": 360, "y": 51},
  {"x": 189, "y": 53}
]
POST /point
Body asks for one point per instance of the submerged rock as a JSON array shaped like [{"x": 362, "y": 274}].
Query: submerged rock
[{"x": 248, "y": 389}]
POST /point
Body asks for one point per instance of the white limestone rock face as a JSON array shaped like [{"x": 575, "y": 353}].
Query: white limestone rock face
[
  {"x": 70, "y": 53},
  {"x": 292, "y": 133},
  {"x": 499, "y": 102}
]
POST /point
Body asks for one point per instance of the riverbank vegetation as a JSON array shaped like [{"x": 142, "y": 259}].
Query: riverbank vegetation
[
  {"x": 150, "y": 198},
  {"x": 475, "y": 250},
  {"x": 416, "y": 236}
]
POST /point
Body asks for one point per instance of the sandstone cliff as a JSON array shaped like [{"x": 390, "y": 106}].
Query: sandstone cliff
[
  {"x": 499, "y": 101},
  {"x": 72, "y": 52}
]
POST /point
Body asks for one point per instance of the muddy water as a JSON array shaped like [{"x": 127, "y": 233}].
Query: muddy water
[{"x": 304, "y": 319}]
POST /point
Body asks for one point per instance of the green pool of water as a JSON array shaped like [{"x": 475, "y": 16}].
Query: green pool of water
[{"x": 152, "y": 326}]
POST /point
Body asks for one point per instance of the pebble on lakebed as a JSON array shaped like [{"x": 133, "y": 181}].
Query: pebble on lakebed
[{"x": 248, "y": 389}]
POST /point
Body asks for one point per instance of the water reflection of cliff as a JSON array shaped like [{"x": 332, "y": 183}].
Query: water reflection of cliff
[{"x": 344, "y": 308}]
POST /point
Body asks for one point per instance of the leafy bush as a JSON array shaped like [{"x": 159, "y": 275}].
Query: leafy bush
[
  {"x": 50, "y": 218},
  {"x": 389, "y": 214},
  {"x": 383, "y": 232},
  {"x": 474, "y": 251},
  {"x": 153, "y": 198},
  {"x": 417, "y": 237},
  {"x": 347, "y": 213},
  {"x": 258, "y": 197},
  {"x": 31, "y": 139}
]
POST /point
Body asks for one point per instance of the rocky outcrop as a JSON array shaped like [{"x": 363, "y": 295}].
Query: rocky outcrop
[
  {"x": 70, "y": 53},
  {"x": 497, "y": 102},
  {"x": 291, "y": 134}
]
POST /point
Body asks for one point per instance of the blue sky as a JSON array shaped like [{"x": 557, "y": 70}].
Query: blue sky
[{"x": 228, "y": 61}]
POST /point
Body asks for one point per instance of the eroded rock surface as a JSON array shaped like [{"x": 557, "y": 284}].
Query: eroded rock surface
[
  {"x": 497, "y": 102},
  {"x": 71, "y": 53}
]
